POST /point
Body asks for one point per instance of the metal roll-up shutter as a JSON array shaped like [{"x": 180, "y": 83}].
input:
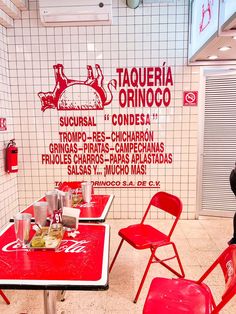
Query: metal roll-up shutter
[{"x": 219, "y": 143}]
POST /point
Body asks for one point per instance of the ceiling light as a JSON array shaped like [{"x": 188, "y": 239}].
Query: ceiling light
[
  {"x": 224, "y": 48},
  {"x": 234, "y": 37},
  {"x": 212, "y": 57}
]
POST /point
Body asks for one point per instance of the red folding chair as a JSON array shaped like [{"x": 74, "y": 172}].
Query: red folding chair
[
  {"x": 64, "y": 186},
  {"x": 183, "y": 296},
  {"x": 142, "y": 236},
  {"x": 4, "y": 297}
]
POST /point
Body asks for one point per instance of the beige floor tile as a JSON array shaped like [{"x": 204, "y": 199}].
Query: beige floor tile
[
  {"x": 84, "y": 302},
  {"x": 201, "y": 244},
  {"x": 198, "y": 242},
  {"x": 204, "y": 258}
]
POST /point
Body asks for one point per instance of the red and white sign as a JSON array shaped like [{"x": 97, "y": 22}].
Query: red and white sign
[
  {"x": 227, "y": 11},
  {"x": 190, "y": 98},
  {"x": 69, "y": 94},
  {"x": 110, "y": 146},
  {"x": 204, "y": 23},
  {"x": 3, "y": 124}
]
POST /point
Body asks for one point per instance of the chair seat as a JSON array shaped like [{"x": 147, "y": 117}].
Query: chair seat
[
  {"x": 143, "y": 236},
  {"x": 177, "y": 296}
]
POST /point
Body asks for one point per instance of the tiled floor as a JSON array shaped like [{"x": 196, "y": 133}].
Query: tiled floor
[{"x": 199, "y": 242}]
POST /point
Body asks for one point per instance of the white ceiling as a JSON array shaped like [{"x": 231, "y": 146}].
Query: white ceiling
[{"x": 212, "y": 48}]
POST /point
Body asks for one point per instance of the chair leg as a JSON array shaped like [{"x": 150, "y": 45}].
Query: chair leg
[
  {"x": 162, "y": 262},
  {"x": 117, "y": 252},
  {"x": 144, "y": 276},
  {"x": 4, "y": 297},
  {"x": 179, "y": 262}
]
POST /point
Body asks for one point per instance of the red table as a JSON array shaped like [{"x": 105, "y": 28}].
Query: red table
[
  {"x": 96, "y": 213},
  {"x": 81, "y": 263}
]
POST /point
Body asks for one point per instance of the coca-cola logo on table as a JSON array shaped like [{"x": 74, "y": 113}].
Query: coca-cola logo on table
[{"x": 67, "y": 246}]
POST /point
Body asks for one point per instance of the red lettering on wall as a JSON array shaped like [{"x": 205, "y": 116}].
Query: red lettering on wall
[{"x": 3, "y": 124}]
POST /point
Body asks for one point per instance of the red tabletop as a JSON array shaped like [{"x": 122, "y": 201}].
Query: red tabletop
[
  {"x": 79, "y": 263},
  {"x": 96, "y": 213}
]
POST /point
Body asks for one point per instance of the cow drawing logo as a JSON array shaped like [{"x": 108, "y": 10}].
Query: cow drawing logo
[{"x": 68, "y": 94}]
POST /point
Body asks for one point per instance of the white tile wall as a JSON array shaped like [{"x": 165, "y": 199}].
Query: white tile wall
[
  {"x": 8, "y": 182},
  {"x": 148, "y": 36}
]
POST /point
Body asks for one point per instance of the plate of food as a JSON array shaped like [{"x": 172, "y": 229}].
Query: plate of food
[{"x": 47, "y": 238}]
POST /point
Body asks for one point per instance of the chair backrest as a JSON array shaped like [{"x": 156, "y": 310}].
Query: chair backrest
[
  {"x": 73, "y": 185},
  {"x": 168, "y": 203},
  {"x": 227, "y": 262}
]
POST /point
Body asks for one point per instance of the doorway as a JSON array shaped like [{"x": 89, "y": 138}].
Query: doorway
[{"x": 217, "y": 142}]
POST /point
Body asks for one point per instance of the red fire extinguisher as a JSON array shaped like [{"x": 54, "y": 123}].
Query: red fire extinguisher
[{"x": 11, "y": 157}]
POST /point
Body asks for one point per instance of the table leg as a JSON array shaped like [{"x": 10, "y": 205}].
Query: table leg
[{"x": 50, "y": 301}]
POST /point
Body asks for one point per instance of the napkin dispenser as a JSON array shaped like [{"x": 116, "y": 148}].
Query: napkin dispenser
[{"x": 70, "y": 217}]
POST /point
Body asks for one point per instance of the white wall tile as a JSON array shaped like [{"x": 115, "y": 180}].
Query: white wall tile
[{"x": 147, "y": 36}]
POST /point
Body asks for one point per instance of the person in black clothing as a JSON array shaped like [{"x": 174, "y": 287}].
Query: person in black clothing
[{"x": 232, "y": 180}]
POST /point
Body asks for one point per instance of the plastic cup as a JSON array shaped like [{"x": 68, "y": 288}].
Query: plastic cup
[
  {"x": 22, "y": 223},
  {"x": 87, "y": 192},
  {"x": 66, "y": 199},
  {"x": 52, "y": 199},
  {"x": 40, "y": 213}
]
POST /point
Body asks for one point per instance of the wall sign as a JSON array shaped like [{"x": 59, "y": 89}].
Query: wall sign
[
  {"x": 119, "y": 144},
  {"x": 227, "y": 10},
  {"x": 190, "y": 98},
  {"x": 204, "y": 22},
  {"x": 68, "y": 94},
  {"x": 3, "y": 124}
]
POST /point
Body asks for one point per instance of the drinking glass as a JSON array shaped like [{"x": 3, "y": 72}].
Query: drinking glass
[
  {"x": 66, "y": 199},
  {"x": 40, "y": 213},
  {"x": 76, "y": 197},
  {"x": 52, "y": 199},
  {"x": 87, "y": 193},
  {"x": 22, "y": 222}
]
